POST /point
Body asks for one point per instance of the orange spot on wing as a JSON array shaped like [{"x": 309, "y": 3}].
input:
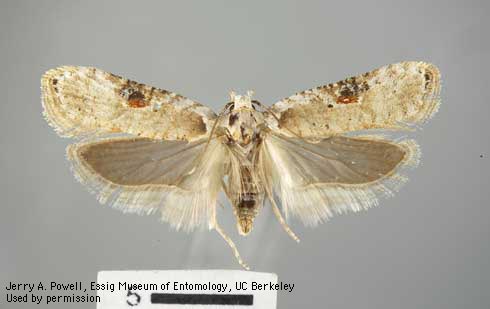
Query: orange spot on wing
[
  {"x": 137, "y": 103},
  {"x": 347, "y": 99},
  {"x": 137, "y": 100}
]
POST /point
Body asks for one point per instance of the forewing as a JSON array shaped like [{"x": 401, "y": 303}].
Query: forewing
[
  {"x": 387, "y": 98},
  {"x": 83, "y": 101},
  {"x": 334, "y": 175},
  {"x": 143, "y": 175}
]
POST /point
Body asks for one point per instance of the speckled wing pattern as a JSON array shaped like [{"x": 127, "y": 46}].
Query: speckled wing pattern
[
  {"x": 82, "y": 101},
  {"x": 145, "y": 149},
  {"x": 390, "y": 97},
  {"x": 141, "y": 148},
  {"x": 317, "y": 171}
]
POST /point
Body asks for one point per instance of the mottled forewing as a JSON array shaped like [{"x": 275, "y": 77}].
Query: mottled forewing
[
  {"x": 333, "y": 175},
  {"x": 83, "y": 101},
  {"x": 390, "y": 97}
]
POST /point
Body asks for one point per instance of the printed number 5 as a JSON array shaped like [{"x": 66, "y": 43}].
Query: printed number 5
[{"x": 133, "y": 298}]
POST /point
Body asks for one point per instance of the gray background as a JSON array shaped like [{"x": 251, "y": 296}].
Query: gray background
[{"x": 428, "y": 247}]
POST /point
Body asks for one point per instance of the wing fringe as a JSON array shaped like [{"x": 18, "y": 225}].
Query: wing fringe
[
  {"x": 185, "y": 206},
  {"x": 48, "y": 95},
  {"x": 316, "y": 203}
]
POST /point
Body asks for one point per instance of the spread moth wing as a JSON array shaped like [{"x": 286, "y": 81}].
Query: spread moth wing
[
  {"x": 82, "y": 101},
  {"x": 144, "y": 175},
  {"x": 387, "y": 98},
  {"x": 317, "y": 180}
]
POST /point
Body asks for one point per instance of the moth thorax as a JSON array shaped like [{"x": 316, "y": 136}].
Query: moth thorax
[{"x": 241, "y": 126}]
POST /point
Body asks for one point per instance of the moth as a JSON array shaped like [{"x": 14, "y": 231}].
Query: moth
[{"x": 310, "y": 156}]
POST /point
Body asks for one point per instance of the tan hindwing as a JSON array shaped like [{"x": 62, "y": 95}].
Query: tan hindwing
[
  {"x": 314, "y": 181},
  {"x": 142, "y": 175}
]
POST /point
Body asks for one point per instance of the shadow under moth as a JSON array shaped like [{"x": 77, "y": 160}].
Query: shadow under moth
[{"x": 144, "y": 150}]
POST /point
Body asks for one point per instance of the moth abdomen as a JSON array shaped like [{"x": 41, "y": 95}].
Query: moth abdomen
[
  {"x": 247, "y": 197},
  {"x": 246, "y": 209}
]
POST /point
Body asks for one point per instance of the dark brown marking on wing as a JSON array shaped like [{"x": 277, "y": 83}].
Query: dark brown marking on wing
[
  {"x": 137, "y": 100},
  {"x": 428, "y": 79},
  {"x": 116, "y": 79},
  {"x": 55, "y": 82},
  {"x": 350, "y": 90},
  {"x": 346, "y": 92},
  {"x": 351, "y": 87}
]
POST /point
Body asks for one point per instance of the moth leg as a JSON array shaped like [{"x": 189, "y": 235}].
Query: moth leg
[
  {"x": 225, "y": 189},
  {"x": 279, "y": 217},
  {"x": 213, "y": 130},
  {"x": 230, "y": 243}
]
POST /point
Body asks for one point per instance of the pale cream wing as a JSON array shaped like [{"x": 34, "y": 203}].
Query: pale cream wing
[
  {"x": 83, "y": 101},
  {"x": 334, "y": 175},
  {"x": 144, "y": 175},
  {"x": 390, "y": 97}
]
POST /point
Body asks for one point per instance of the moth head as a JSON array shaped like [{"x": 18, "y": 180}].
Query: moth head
[{"x": 242, "y": 101}]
